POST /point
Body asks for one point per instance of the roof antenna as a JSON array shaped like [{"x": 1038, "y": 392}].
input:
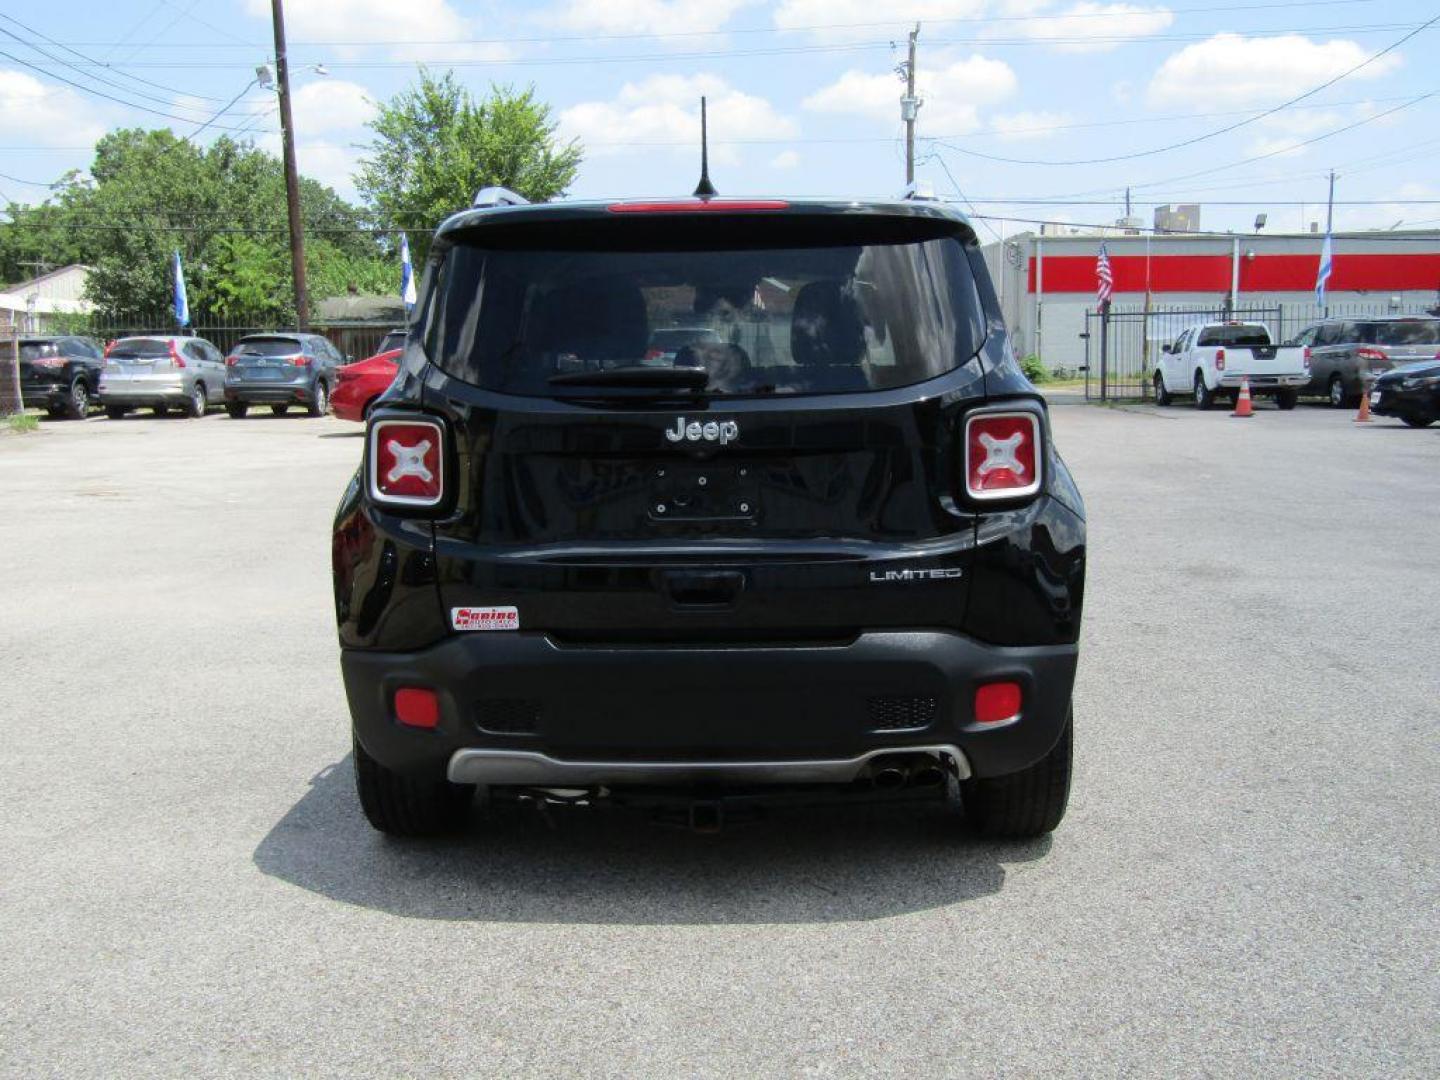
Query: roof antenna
[{"x": 704, "y": 189}]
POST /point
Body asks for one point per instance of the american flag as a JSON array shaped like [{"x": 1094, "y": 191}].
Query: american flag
[{"x": 1104, "y": 278}]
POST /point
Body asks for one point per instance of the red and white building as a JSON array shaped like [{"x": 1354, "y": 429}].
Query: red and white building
[{"x": 1048, "y": 283}]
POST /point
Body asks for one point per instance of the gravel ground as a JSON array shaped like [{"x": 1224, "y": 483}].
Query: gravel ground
[{"x": 1246, "y": 883}]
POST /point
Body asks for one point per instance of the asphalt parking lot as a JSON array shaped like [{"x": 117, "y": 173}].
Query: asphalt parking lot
[{"x": 1247, "y": 882}]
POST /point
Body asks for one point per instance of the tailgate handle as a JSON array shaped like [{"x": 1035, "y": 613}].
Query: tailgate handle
[{"x": 704, "y": 588}]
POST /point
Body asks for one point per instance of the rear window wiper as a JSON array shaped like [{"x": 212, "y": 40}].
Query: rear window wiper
[{"x": 637, "y": 377}]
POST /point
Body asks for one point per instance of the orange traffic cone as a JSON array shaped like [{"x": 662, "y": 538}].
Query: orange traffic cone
[
  {"x": 1242, "y": 401},
  {"x": 1363, "y": 416}
]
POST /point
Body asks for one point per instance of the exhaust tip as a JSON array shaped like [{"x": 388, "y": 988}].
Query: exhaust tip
[
  {"x": 927, "y": 776},
  {"x": 890, "y": 777}
]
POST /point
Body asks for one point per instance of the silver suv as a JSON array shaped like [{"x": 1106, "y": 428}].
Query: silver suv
[
  {"x": 1345, "y": 354},
  {"x": 161, "y": 371}
]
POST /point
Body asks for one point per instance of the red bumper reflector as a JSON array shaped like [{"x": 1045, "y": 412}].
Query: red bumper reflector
[
  {"x": 997, "y": 701},
  {"x": 417, "y": 707}
]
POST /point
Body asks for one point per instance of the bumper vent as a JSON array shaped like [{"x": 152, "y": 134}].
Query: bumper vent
[
  {"x": 898, "y": 713},
  {"x": 508, "y": 716}
]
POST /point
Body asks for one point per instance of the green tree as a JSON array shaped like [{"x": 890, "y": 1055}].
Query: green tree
[
  {"x": 435, "y": 146},
  {"x": 222, "y": 206}
]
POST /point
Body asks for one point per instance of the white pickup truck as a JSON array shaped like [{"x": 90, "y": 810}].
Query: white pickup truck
[{"x": 1212, "y": 358}]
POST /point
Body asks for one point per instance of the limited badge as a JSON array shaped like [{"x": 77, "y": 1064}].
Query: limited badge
[{"x": 485, "y": 618}]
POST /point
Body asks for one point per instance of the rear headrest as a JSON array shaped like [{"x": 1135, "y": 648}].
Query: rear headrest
[
  {"x": 596, "y": 320},
  {"x": 826, "y": 327}
]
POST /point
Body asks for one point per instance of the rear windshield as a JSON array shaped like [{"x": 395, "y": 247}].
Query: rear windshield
[
  {"x": 813, "y": 319},
  {"x": 1236, "y": 336},
  {"x": 36, "y": 350},
  {"x": 268, "y": 347},
  {"x": 1403, "y": 332},
  {"x": 141, "y": 347}
]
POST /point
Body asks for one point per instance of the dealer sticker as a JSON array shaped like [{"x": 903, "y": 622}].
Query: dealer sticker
[{"x": 485, "y": 618}]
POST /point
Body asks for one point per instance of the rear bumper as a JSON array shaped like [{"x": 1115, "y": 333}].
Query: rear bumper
[
  {"x": 43, "y": 394},
  {"x": 167, "y": 392},
  {"x": 521, "y": 708},
  {"x": 1266, "y": 382},
  {"x": 275, "y": 394}
]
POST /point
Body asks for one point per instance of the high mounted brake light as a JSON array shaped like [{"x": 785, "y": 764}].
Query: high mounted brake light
[
  {"x": 697, "y": 206},
  {"x": 405, "y": 465},
  {"x": 1004, "y": 455}
]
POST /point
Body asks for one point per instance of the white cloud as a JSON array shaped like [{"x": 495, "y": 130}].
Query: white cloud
[
  {"x": 1018, "y": 126},
  {"x": 647, "y": 16},
  {"x": 1385, "y": 215},
  {"x": 786, "y": 159},
  {"x": 396, "y": 26},
  {"x": 839, "y": 19},
  {"x": 666, "y": 109},
  {"x": 1094, "y": 27},
  {"x": 331, "y": 105},
  {"x": 1230, "y": 70},
  {"x": 952, "y": 94},
  {"x": 35, "y": 111}
]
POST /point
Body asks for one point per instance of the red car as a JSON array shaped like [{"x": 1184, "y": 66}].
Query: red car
[{"x": 358, "y": 385}]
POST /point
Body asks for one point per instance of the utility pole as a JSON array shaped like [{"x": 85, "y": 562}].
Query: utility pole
[
  {"x": 292, "y": 176},
  {"x": 909, "y": 107}
]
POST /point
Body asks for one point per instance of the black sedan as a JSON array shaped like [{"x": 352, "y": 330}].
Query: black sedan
[{"x": 1411, "y": 393}]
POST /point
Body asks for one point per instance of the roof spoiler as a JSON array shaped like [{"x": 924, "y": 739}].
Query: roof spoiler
[{"x": 499, "y": 196}]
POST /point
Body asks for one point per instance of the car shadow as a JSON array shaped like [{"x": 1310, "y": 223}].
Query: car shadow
[
  {"x": 515, "y": 863},
  {"x": 343, "y": 434}
]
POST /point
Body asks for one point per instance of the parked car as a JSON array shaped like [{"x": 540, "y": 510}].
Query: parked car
[
  {"x": 1345, "y": 354},
  {"x": 60, "y": 374},
  {"x": 161, "y": 371},
  {"x": 667, "y": 342},
  {"x": 280, "y": 370},
  {"x": 854, "y": 570},
  {"x": 1211, "y": 358},
  {"x": 1410, "y": 392},
  {"x": 358, "y": 385}
]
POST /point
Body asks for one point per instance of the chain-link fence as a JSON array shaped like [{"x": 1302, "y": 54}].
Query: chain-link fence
[
  {"x": 10, "y": 402},
  {"x": 1123, "y": 346}
]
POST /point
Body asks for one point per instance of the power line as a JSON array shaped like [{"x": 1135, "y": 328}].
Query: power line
[
  {"x": 783, "y": 50},
  {"x": 1209, "y": 134},
  {"x": 90, "y": 59},
  {"x": 740, "y": 31},
  {"x": 102, "y": 94}
]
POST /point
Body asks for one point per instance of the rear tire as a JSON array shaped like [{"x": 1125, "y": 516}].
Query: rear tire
[
  {"x": 116, "y": 412},
  {"x": 279, "y": 410},
  {"x": 237, "y": 409},
  {"x": 1287, "y": 399},
  {"x": 196, "y": 402},
  {"x": 1204, "y": 396},
  {"x": 77, "y": 405},
  {"x": 1162, "y": 396},
  {"x": 1336, "y": 392},
  {"x": 402, "y": 805},
  {"x": 320, "y": 405},
  {"x": 1415, "y": 421},
  {"x": 1025, "y": 804}
]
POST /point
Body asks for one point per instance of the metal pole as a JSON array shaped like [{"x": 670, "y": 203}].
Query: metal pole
[
  {"x": 1329, "y": 223},
  {"x": 911, "y": 106},
  {"x": 1104, "y": 350},
  {"x": 292, "y": 176},
  {"x": 1039, "y": 296}
]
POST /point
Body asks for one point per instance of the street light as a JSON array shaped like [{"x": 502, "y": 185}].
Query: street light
[{"x": 1260, "y": 220}]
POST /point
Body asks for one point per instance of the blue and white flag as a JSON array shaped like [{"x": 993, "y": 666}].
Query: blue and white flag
[
  {"x": 182, "y": 303},
  {"x": 1327, "y": 264},
  {"x": 407, "y": 274}
]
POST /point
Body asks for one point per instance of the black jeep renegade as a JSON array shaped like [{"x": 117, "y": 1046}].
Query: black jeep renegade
[{"x": 823, "y": 549}]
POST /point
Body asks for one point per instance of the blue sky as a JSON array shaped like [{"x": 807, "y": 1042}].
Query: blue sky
[{"x": 804, "y": 100}]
